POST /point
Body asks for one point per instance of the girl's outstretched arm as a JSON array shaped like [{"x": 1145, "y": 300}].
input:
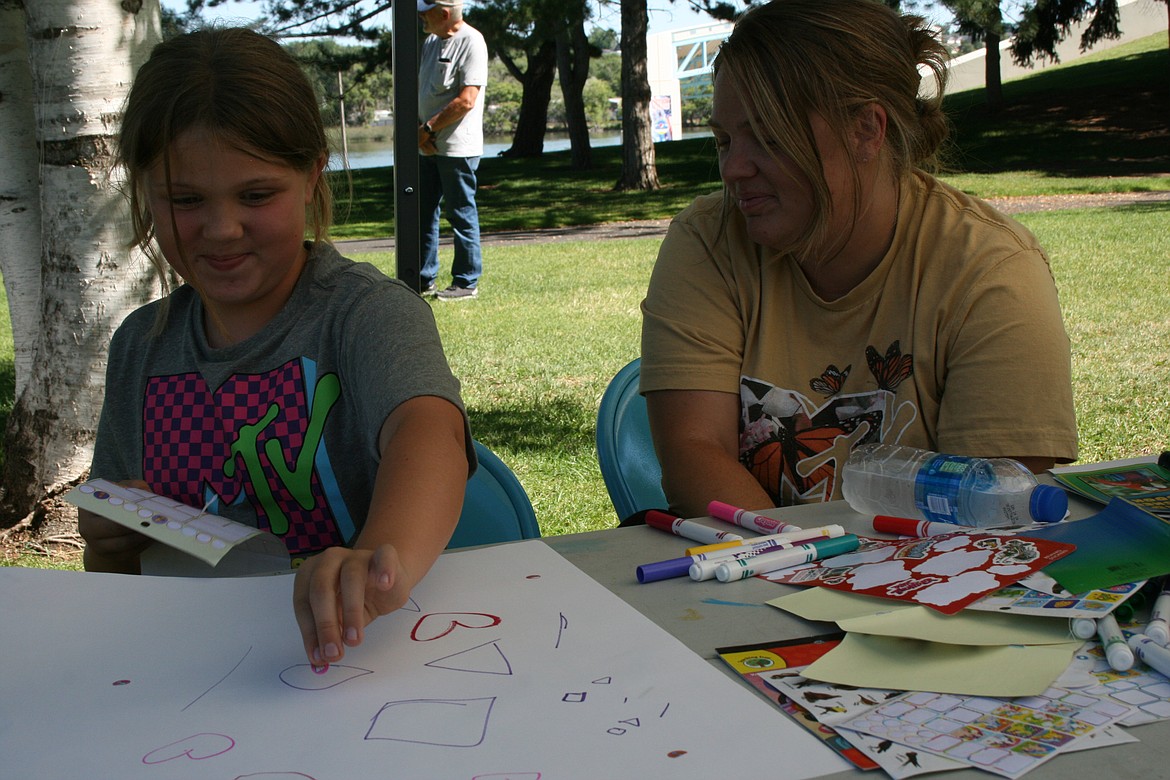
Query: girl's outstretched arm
[{"x": 418, "y": 496}]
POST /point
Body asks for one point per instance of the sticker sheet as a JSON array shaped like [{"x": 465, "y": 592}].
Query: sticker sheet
[
  {"x": 759, "y": 664},
  {"x": 1041, "y": 596},
  {"x": 946, "y": 573},
  {"x": 1006, "y": 737}
]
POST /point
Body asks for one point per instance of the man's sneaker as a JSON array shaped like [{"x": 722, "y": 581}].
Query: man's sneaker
[
  {"x": 456, "y": 293},
  {"x": 429, "y": 291}
]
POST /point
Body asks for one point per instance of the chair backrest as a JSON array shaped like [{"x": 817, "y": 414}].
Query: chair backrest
[
  {"x": 625, "y": 451},
  {"x": 495, "y": 507}
]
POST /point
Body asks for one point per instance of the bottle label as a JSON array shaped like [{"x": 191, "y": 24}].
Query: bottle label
[{"x": 936, "y": 488}]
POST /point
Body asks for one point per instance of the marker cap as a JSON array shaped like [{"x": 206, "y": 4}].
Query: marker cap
[
  {"x": 664, "y": 570},
  {"x": 904, "y": 526},
  {"x": 660, "y": 520},
  {"x": 827, "y": 548},
  {"x": 1048, "y": 504}
]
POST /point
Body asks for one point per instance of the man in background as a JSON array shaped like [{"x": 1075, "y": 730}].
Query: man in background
[{"x": 452, "y": 74}]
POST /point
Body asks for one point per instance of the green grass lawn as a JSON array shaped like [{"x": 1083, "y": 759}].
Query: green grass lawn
[
  {"x": 555, "y": 321},
  {"x": 1051, "y": 139}
]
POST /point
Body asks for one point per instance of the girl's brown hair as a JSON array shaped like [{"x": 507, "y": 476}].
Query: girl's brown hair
[{"x": 237, "y": 84}]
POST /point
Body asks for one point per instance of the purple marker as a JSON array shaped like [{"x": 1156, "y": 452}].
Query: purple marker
[{"x": 750, "y": 520}]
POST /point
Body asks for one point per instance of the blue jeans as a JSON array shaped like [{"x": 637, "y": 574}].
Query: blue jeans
[{"x": 450, "y": 179}]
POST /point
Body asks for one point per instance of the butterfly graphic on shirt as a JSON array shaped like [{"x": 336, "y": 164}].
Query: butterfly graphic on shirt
[
  {"x": 891, "y": 370},
  {"x": 792, "y": 445},
  {"x": 831, "y": 380}
]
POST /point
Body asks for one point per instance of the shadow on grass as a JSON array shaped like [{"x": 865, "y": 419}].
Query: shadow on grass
[
  {"x": 1101, "y": 118},
  {"x": 559, "y": 424}
]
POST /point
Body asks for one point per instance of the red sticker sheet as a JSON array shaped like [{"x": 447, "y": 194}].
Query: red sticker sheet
[{"x": 945, "y": 573}]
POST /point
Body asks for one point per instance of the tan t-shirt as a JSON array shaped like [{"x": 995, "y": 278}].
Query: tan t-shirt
[{"x": 954, "y": 343}]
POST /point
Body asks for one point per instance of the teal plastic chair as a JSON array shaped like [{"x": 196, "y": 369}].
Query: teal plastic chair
[
  {"x": 625, "y": 451},
  {"x": 495, "y": 507}
]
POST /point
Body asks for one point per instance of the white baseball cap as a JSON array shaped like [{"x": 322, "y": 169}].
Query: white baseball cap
[{"x": 424, "y": 6}]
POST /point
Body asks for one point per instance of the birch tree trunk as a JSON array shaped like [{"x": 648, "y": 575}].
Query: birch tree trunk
[
  {"x": 20, "y": 208},
  {"x": 82, "y": 55}
]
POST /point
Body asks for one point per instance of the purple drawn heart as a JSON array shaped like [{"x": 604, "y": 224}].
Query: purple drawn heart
[{"x": 196, "y": 748}]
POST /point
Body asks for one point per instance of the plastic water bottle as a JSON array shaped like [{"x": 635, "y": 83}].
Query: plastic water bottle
[{"x": 887, "y": 479}]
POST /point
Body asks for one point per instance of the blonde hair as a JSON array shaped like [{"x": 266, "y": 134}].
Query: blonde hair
[
  {"x": 790, "y": 59},
  {"x": 238, "y": 85}
]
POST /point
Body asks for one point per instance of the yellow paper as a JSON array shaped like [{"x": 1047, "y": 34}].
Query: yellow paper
[
  {"x": 869, "y": 615},
  {"x": 913, "y": 665},
  {"x": 835, "y": 605}
]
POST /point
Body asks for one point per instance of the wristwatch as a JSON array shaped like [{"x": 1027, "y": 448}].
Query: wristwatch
[{"x": 427, "y": 126}]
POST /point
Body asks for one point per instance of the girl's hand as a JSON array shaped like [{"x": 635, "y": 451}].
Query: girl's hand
[
  {"x": 110, "y": 546},
  {"x": 341, "y": 591}
]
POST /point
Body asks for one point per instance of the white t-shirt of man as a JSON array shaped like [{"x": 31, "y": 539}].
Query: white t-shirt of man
[{"x": 447, "y": 65}]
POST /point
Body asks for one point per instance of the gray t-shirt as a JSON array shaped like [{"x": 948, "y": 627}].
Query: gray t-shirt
[
  {"x": 279, "y": 431},
  {"x": 446, "y": 66}
]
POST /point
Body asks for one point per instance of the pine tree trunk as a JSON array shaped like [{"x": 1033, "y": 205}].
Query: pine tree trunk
[
  {"x": 993, "y": 84},
  {"x": 528, "y": 140},
  {"x": 573, "y": 66},
  {"x": 638, "y": 169}
]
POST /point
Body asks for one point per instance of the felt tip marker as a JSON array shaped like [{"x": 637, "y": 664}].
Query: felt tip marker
[
  {"x": 679, "y": 567},
  {"x": 688, "y": 529},
  {"x": 745, "y": 519},
  {"x": 1158, "y": 628},
  {"x": 701, "y": 571},
  {"x": 1150, "y": 652},
  {"x": 803, "y": 535},
  {"x": 1117, "y": 652},
  {"x": 742, "y": 569},
  {"x": 904, "y": 526},
  {"x": 1083, "y": 628}
]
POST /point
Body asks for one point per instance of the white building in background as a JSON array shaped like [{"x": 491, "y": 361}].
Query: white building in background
[{"x": 678, "y": 62}]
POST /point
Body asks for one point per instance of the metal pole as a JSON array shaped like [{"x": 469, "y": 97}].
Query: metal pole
[{"x": 404, "y": 40}]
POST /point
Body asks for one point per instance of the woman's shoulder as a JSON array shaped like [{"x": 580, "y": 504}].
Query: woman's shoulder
[
  {"x": 704, "y": 213},
  {"x": 955, "y": 209}
]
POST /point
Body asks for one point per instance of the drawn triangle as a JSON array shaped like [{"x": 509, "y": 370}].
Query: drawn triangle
[{"x": 487, "y": 658}]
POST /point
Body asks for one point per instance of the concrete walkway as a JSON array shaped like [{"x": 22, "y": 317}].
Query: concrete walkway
[{"x": 656, "y": 228}]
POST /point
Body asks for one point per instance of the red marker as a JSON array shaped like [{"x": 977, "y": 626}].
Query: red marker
[
  {"x": 904, "y": 526},
  {"x": 688, "y": 529}
]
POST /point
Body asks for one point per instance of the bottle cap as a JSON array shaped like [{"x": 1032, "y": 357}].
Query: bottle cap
[{"x": 1048, "y": 504}]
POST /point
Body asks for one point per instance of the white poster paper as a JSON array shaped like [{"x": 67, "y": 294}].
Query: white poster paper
[{"x": 509, "y": 662}]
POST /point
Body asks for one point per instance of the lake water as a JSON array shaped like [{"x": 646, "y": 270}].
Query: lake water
[{"x": 381, "y": 154}]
